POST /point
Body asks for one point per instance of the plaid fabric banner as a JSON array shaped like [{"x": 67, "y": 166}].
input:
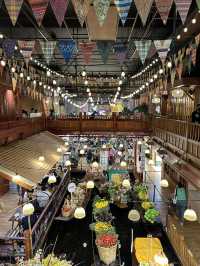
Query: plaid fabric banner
[
  {"x": 26, "y": 48},
  {"x": 198, "y": 3},
  {"x": 104, "y": 48},
  {"x": 59, "y": 8},
  {"x": 87, "y": 50},
  {"x": 197, "y": 39},
  {"x": 183, "y": 7},
  {"x": 9, "y": 47},
  {"x": 121, "y": 52},
  {"x": 13, "y": 7},
  {"x": 162, "y": 47},
  {"x": 164, "y": 7},
  {"x": 48, "y": 49},
  {"x": 123, "y": 7},
  {"x": 39, "y": 8},
  {"x": 67, "y": 48},
  {"x": 101, "y": 8},
  {"x": 143, "y": 49},
  {"x": 81, "y": 8},
  {"x": 143, "y": 8}
]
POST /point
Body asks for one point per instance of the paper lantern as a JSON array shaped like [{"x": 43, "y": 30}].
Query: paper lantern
[
  {"x": 177, "y": 93},
  {"x": 164, "y": 183},
  {"x": 28, "y": 209},
  {"x": 79, "y": 213},
  {"x": 126, "y": 183},
  {"x": 90, "y": 184},
  {"x": 68, "y": 163},
  {"x": 52, "y": 179},
  {"x": 123, "y": 164},
  {"x": 59, "y": 150},
  {"x": 161, "y": 259},
  {"x": 134, "y": 215},
  {"x": 190, "y": 215},
  {"x": 95, "y": 165},
  {"x": 41, "y": 158},
  {"x": 82, "y": 152}
]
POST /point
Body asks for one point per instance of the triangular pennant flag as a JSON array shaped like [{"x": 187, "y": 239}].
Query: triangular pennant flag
[
  {"x": 198, "y": 4},
  {"x": 59, "y": 8},
  {"x": 104, "y": 48},
  {"x": 39, "y": 8},
  {"x": 13, "y": 7},
  {"x": 48, "y": 49},
  {"x": 143, "y": 49},
  {"x": 193, "y": 53},
  {"x": 26, "y": 48},
  {"x": 143, "y": 8},
  {"x": 101, "y": 8},
  {"x": 179, "y": 70},
  {"x": 183, "y": 7},
  {"x": 87, "y": 50},
  {"x": 14, "y": 83},
  {"x": 164, "y": 7},
  {"x": 121, "y": 52},
  {"x": 173, "y": 76},
  {"x": 9, "y": 47},
  {"x": 197, "y": 39},
  {"x": 123, "y": 7},
  {"x": 67, "y": 48},
  {"x": 81, "y": 8},
  {"x": 162, "y": 47}
]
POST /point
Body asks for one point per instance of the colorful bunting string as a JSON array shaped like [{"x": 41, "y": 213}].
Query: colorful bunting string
[
  {"x": 143, "y": 49},
  {"x": 164, "y": 7},
  {"x": 39, "y": 8},
  {"x": 123, "y": 7},
  {"x": 101, "y": 8},
  {"x": 143, "y": 8},
  {"x": 9, "y": 47},
  {"x": 67, "y": 48},
  {"x": 87, "y": 50},
  {"x": 59, "y": 8},
  {"x": 48, "y": 49},
  {"x": 26, "y": 48},
  {"x": 121, "y": 52},
  {"x": 13, "y": 7},
  {"x": 81, "y": 8},
  {"x": 162, "y": 47},
  {"x": 104, "y": 49},
  {"x": 183, "y": 7}
]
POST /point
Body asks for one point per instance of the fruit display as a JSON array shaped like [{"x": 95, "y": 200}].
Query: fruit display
[
  {"x": 102, "y": 228},
  {"x": 100, "y": 204},
  {"x": 147, "y": 205},
  {"x": 142, "y": 195},
  {"x": 107, "y": 240},
  {"x": 151, "y": 215}
]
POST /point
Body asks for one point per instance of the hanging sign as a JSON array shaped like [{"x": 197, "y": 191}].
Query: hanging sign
[
  {"x": 123, "y": 7},
  {"x": 71, "y": 187},
  {"x": 59, "y": 8}
]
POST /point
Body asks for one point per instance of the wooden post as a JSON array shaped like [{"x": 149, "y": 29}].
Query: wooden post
[{"x": 27, "y": 244}]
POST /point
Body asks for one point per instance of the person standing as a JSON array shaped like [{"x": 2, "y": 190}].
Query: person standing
[{"x": 181, "y": 201}]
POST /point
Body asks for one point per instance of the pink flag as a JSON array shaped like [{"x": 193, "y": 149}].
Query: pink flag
[
  {"x": 39, "y": 8},
  {"x": 87, "y": 50},
  {"x": 59, "y": 8},
  {"x": 164, "y": 7},
  {"x": 26, "y": 48}
]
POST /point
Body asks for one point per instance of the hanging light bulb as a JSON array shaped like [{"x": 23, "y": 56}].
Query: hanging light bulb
[
  {"x": 86, "y": 82},
  {"x": 83, "y": 73},
  {"x": 88, "y": 90},
  {"x": 68, "y": 163},
  {"x": 178, "y": 37},
  {"x": 185, "y": 29},
  {"x": 34, "y": 82},
  {"x": 28, "y": 209},
  {"x": 82, "y": 152},
  {"x": 161, "y": 71},
  {"x": 3, "y": 63},
  {"x": 123, "y": 74},
  {"x": 1, "y": 36},
  {"x": 40, "y": 83},
  {"x": 48, "y": 73},
  {"x": 21, "y": 75},
  {"x": 169, "y": 64},
  {"x": 104, "y": 146},
  {"x": 13, "y": 69},
  {"x": 90, "y": 184},
  {"x": 54, "y": 82},
  {"x": 155, "y": 76},
  {"x": 126, "y": 183},
  {"x": 52, "y": 179},
  {"x": 59, "y": 150},
  {"x": 41, "y": 158},
  {"x": 139, "y": 142},
  {"x": 123, "y": 164},
  {"x": 119, "y": 153},
  {"x": 95, "y": 165},
  {"x": 120, "y": 82},
  {"x": 147, "y": 151},
  {"x": 164, "y": 183},
  {"x": 28, "y": 78},
  {"x": 118, "y": 89},
  {"x": 194, "y": 21},
  {"x": 44, "y": 86}
]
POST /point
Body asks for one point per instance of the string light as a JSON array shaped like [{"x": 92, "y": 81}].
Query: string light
[
  {"x": 3, "y": 63},
  {"x": 83, "y": 73}
]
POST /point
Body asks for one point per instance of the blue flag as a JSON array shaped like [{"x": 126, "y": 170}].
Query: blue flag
[{"x": 67, "y": 48}]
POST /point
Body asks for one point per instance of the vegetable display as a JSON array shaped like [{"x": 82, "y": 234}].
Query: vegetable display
[
  {"x": 151, "y": 215},
  {"x": 107, "y": 240}
]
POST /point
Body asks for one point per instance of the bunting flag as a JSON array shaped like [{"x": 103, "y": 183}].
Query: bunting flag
[
  {"x": 123, "y": 7},
  {"x": 197, "y": 39},
  {"x": 13, "y": 7},
  {"x": 121, "y": 52},
  {"x": 143, "y": 8},
  {"x": 81, "y": 8},
  {"x": 87, "y": 50},
  {"x": 59, "y": 8},
  {"x": 67, "y": 48},
  {"x": 101, "y": 8},
  {"x": 183, "y": 7},
  {"x": 164, "y": 7},
  {"x": 104, "y": 49},
  {"x": 26, "y": 48},
  {"x": 173, "y": 76},
  {"x": 39, "y": 8},
  {"x": 48, "y": 49},
  {"x": 143, "y": 49},
  {"x": 193, "y": 53},
  {"x": 198, "y": 4},
  {"x": 9, "y": 47},
  {"x": 162, "y": 47},
  {"x": 14, "y": 83}
]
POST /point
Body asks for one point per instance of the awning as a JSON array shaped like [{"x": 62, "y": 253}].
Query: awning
[{"x": 19, "y": 161}]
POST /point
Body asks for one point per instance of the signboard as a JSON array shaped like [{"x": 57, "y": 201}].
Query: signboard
[{"x": 71, "y": 187}]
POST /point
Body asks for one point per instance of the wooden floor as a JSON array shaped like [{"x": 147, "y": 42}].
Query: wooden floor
[{"x": 9, "y": 202}]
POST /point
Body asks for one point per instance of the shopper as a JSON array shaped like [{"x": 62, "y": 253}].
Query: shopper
[{"x": 181, "y": 201}]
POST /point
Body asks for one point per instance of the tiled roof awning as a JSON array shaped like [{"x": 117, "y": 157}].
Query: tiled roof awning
[{"x": 19, "y": 161}]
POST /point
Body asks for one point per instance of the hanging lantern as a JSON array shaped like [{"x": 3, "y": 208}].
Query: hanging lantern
[
  {"x": 134, "y": 215},
  {"x": 68, "y": 163},
  {"x": 126, "y": 183},
  {"x": 28, "y": 209},
  {"x": 178, "y": 93},
  {"x": 95, "y": 165},
  {"x": 79, "y": 213},
  {"x": 82, "y": 152},
  {"x": 164, "y": 183},
  {"x": 41, "y": 158},
  {"x": 90, "y": 184},
  {"x": 161, "y": 259},
  {"x": 123, "y": 164},
  {"x": 52, "y": 179},
  {"x": 190, "y": 215}
]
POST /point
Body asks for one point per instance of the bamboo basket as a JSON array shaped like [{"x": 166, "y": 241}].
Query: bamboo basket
[{"x": 107, "y": 255}]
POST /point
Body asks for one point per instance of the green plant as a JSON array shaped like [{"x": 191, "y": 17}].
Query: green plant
[{"x": 151, "y": 215}]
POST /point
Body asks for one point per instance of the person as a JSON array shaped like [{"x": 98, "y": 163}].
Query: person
[
  {"x": 89, "y": 156},
  {"x": 43, "y": 195},
  {"x": 181, "y": 201},
  {"x": 196, "y": 115}
]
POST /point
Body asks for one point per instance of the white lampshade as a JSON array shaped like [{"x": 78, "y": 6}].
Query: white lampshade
[
  {"x": 121, "y": 145},
  {"x": 85, "y": 147},
  {"x": 151, "y": 162},
  {"x": 134, "y": 215},
  {"x": 41, "y": 158},
  {"x": 119, "y": 153},
  {"x": 79, "y": 213},
  {"x": 126, "y": 183},
  {"x": 28, "y": 209},
  {"x": 161, "y": 259},
  {"x": 95, "y": 165},
  {"x": 82, "y": 152},
  {"x": 139, "y": 142},
  {"x": 68, "y": 163},
  {"x": 123, "y": 164},
  {"x": 178, "y": 93},
  {"x": 59, "y": 150},
  {"x": 147, "y": 151},
  {"x": 90, "y": 184},
  {"x": 52, "y": 179},
  {"x": 164, "y": 183},
  {"x": 190, "y": 215},
  {"x": 104, "y": 146}
]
